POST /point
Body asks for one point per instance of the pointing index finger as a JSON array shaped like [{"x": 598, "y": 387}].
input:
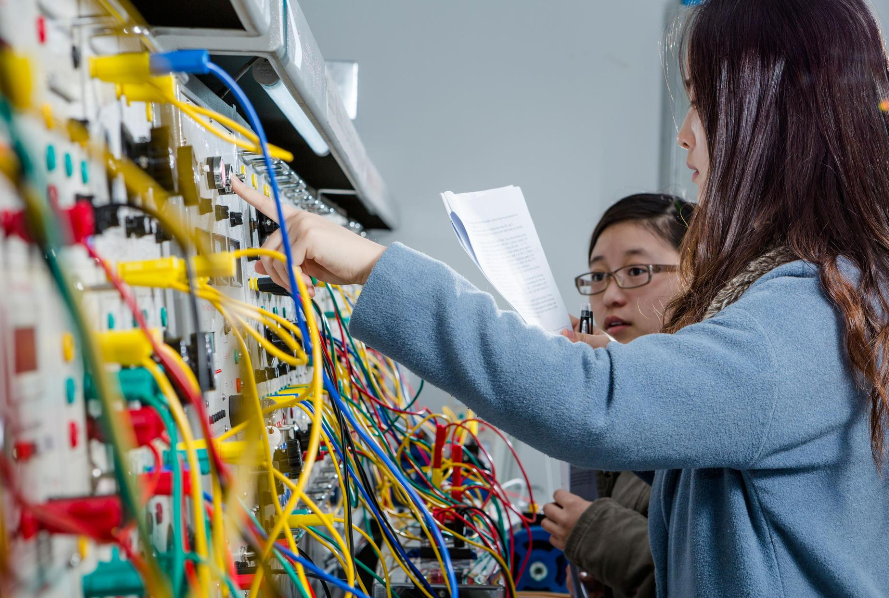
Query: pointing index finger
[{"x": 263, "y": 204}]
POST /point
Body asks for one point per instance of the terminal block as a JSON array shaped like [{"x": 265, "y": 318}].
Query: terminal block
[{"x": 189, "y": 349}]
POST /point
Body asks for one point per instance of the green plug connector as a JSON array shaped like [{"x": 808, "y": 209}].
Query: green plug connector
[
  {"x": 203, "y": 460},
  {"x": 134, "y": 383},
  {"x": 137, "y": 383},
  {"x": 114, "y": 578}
]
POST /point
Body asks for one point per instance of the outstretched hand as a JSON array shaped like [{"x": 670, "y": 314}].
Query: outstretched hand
[{"x": 321, "y": 248}]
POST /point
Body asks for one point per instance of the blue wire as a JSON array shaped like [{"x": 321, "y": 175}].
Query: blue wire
[
  {"x": 405, "y": 485},
  {"x": 253, "y": 119},
  {"x": 395, "y": 543},
  {"x": 313, "y": 568}
]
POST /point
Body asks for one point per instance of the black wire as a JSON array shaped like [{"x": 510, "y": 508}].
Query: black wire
[
  {"x": 369, "y": 490},
  {"x": 238, "y": 75},
  {"x": 303, "y": 554},
  {"x": 331, "y": 373},
  {"x": 349, "y": 448}
]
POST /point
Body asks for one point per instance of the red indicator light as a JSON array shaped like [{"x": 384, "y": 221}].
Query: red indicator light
[{"x": 41, "y": 30}]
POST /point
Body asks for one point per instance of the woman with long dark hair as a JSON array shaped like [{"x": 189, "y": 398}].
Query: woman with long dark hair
[{"x": 763, "y": 408}]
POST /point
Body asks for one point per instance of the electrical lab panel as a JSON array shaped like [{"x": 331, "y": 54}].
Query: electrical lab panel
[
  {"x": 45, "y": 407},
  {"x": 54, "y": 436}
]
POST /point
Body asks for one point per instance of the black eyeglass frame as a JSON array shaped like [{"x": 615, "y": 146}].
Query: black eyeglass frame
[{"x": 652, "y": 269}]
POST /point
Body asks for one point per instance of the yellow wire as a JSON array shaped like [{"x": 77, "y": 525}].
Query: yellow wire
[
  {"x": 342, "y": 490},
  {"x": 318, "y": 404},
  {"x": 504, "y": 570},
  {"x": 189, "y": 110},
  {"x": 197, "y": 498},
  {"x": 217, "y": 531},
  {"x": 336, "y": 553},
  {"x": 376, "y": 549}
]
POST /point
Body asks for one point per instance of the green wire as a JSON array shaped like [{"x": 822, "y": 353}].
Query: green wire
[
  {"x": 232, "y": 588},
  {"x": 360, "y": 564},
  {"x": 336, "y": 306},
  {"x": 429, "y": 490},
  {"x": 287, "y": 568},
  {"x": 178, "y": 553},
  {"x": 48, "y": 236}
]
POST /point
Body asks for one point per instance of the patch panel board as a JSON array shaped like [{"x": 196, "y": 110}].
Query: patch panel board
[{"x": 216, "y": 421}]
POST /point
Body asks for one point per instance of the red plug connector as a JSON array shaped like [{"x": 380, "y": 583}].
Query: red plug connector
[
  {"x": 101, "y": 515},
  {"x": 147, "y": 425},
  {"x": 164, "y": 485},
  {"x": 457, "y": 476},
  {"x": 80, "y": 220}
]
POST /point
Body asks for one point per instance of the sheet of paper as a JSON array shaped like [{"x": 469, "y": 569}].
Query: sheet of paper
[{"x": 496, "y": 231}]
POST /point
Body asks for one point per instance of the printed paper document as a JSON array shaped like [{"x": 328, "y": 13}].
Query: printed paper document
[{"x": 495, "y": 229}]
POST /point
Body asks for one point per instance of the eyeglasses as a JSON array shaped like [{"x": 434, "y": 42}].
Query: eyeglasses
[{"x": 628, "y": 277}]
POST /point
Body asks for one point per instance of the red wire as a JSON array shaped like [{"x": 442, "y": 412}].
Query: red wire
[
  {"x": 171, "y": 367},
  {"x": 501, "y": 494},
  {"x": 492, "y": 533},
  {"x": 514, "y": 454},
  {"x": 390, "y": 407},
  {"x": 65, "y": 522},
  {"x": 495, "y": 488},
  {"x": 158, "y": 467}
]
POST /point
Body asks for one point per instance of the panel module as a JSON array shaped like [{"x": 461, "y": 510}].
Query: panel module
[{"x": 161, "y": 410}]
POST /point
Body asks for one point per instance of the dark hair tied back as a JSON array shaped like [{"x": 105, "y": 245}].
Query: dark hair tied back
[{"x": 665, "y": 215}]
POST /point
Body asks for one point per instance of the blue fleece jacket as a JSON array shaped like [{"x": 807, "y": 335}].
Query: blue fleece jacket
[{"x": 765, "y": 484}]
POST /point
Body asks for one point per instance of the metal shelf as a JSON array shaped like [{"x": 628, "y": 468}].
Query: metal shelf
[{"x": 288, "y": 44}]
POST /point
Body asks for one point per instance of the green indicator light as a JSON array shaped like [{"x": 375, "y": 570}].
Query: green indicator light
[
  {"x": 70, "y": 387},
  {"x": 69, "y": 165},
  {"x": 283, "y": 312},
  {"x": 110, "y": 321},
  {"x": 275, "y": 310},
  {"x": 163, "y": 316},
  {"x": 85, "y": 172},
  {"x": 50, "y": 158},
  {"x": 237, "y": 355}
]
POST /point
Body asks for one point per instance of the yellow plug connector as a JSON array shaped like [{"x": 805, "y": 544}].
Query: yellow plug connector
[
  {"x": 121, "y": 68},
  {"x": 16, "y": 79},
  {"x": 230, "y": 452},
  {"x": 303, "y": 521},
  {"x": 153, "y": 89},
  {"x": 127, "y": 347},
  {"x": 165, "y": 272}
]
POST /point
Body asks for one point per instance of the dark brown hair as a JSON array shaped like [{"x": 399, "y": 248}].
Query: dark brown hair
[
  {"x": 789, "y": 93},
  {"x": 665, "y": 215}
]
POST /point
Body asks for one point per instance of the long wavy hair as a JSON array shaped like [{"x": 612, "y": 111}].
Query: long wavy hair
[{"x": 793, "y": 97}]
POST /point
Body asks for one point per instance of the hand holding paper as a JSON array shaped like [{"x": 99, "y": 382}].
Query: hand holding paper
[{"x": 495, "y": 229}]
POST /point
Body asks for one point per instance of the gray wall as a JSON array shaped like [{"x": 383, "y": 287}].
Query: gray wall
[{"x": 564, "y": 99}]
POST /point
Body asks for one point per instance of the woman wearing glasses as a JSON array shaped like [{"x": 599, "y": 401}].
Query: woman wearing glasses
[
  {"x": 633, "y": 254},
  {"x": 763, "y": 410}
]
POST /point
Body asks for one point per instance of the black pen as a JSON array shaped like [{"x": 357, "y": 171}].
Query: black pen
[{"x": 586, "y": 319}]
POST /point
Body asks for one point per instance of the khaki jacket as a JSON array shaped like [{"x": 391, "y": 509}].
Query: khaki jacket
[{"x": 610, "y": 540}]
